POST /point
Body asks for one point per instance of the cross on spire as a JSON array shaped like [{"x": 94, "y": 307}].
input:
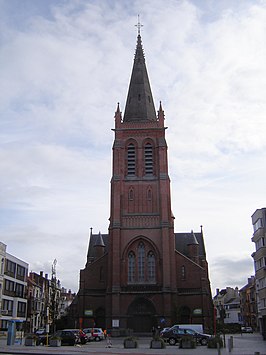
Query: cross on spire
[{"x": 139, "y": 25}]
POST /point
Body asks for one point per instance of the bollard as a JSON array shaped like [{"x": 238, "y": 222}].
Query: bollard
[
  {"x": 218, "y": 349},
  {"x": 229, "y": 345}
]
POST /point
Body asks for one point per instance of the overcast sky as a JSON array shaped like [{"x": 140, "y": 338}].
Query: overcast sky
[{"x": 64, "y": 65}]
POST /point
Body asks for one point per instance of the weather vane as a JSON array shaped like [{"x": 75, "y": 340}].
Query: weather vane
[{"x": 139, "y": 25}]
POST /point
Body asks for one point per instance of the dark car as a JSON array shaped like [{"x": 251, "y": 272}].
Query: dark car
[
  {"x": 81, "y": 336},
  {"x": 68, "y": 337},
  {"x": 174, "y": 335}
]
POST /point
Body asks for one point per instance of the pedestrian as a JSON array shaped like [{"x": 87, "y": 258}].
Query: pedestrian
[{"x": 109, "y": 342}]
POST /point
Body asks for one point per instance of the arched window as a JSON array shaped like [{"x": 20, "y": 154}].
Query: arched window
[
  {"x": 131, "y": 194},
  {"x": 149, "y": 194},
  {"x": 141, "y": 262},
  {"x": 148, "y": 158},
  {"x": 141, "y": 265},
  {"x": 183, "y": 272},
  {"x": 131, "y": 159},
  {"x": 151, "y": 266},
  {"x": 131, "y": 267}
]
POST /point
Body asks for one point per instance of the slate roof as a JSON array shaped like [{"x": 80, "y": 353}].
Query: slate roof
[
  {"x": 139, "y": 104},
  {"x": 182, "y": 240}
]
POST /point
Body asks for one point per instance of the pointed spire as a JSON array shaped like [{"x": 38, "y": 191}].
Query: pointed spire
[
  {"x": 192, "y": 239},
  {"x": 139, "y": 105},
  {"x": 161, "y": 114},
  {"x": 118, "y": 108},
  {"x": 89, "y": 242},
  {"x": 118, "y": 116},
  {"x": 99, "y": 241}
]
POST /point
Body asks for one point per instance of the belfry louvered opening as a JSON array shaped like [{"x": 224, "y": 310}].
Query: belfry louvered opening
[
  {"x": 131, "y": 159},
  {"x": 148, "y": 157}
]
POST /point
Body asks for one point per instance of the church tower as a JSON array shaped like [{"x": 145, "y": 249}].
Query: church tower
[
  {"x": 143, "y": 274},
  {"x": 141, "y": 223}
]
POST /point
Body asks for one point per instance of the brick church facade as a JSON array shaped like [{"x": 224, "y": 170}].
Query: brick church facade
[{"x": 143, "y": 274}]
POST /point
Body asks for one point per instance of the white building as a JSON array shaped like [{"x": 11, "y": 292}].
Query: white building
[
  {"x": 227, "y": 303},
  {"x": 13, "y": 283}
]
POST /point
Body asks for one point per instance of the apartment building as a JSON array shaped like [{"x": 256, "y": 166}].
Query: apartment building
[
  {"x": 248, "y": 304},
  {"x": 259, "y": 256},
  {"x": 13, "y": 283}
]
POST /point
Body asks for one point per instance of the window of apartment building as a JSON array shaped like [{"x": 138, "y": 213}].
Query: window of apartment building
[
  {"x": 21, "y": 312},
  {"x": 21, "y": 272},
  {"x": 260, "y": 263},
  {"x": 2, "y": 266},
  {"x": 258, "y": 224},
  {"x": 7, "y": 307},
  {"x": 10, "y": 268},
  {"x": 19, "y": 290},
  {"x": 262, "y": 283},
  {"x": 263, "y": 303},
  {"x": 9, "y": 288},
  {"x": 260, "y": 243}
]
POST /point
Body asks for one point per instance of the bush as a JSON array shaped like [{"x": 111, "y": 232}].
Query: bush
[
  {"x": 157, "y": 339},
  {"x": 187, "y": 342},
  {"x": 130, "y": 342},
  {"x": 213, "y": 341}
]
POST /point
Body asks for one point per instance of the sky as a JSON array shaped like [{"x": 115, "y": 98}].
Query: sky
[{"x": 64, "y": 66}]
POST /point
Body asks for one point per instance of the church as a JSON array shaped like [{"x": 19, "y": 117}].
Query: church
[{"x": 142, "y": 274}]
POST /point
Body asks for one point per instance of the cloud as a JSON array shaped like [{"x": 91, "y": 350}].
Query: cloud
[
  {"x": 232, "y": 271},
  {"x": 66, "y": 64}
]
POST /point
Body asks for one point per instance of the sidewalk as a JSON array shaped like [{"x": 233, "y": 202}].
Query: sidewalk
[{"x": 246, "y": 344}]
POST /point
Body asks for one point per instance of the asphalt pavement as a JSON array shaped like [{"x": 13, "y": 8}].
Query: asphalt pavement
[{"x": 245, "y": 344}]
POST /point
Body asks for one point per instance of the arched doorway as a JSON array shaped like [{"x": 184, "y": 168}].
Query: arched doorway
[{"x": 141, "y": 315}]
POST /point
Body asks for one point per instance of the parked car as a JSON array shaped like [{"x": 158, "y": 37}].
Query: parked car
[
  {"x": 94, "y": 334},
  {"x": 82, "y": 337},
  {"x": 68, "y": 337},
  {"x": 40, "y": 331},
  {"x": 42, "y": 336},
  {"x": 246, "y": 330},
  {"x": 174, "y": 334}
]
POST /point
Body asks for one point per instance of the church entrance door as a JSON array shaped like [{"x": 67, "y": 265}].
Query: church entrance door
[{"x": 141, "y": 315}]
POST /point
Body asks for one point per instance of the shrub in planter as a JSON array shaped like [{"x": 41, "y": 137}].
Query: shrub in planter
[
  {"x": 187, "y": 342},
  {"x": 213, "y": 341},
  {"x": 55, "y": 341},
  {"x": 130, "y": 342},
  {"x": 157, "y": 343},
  {"x": 30, "y": 340}
]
